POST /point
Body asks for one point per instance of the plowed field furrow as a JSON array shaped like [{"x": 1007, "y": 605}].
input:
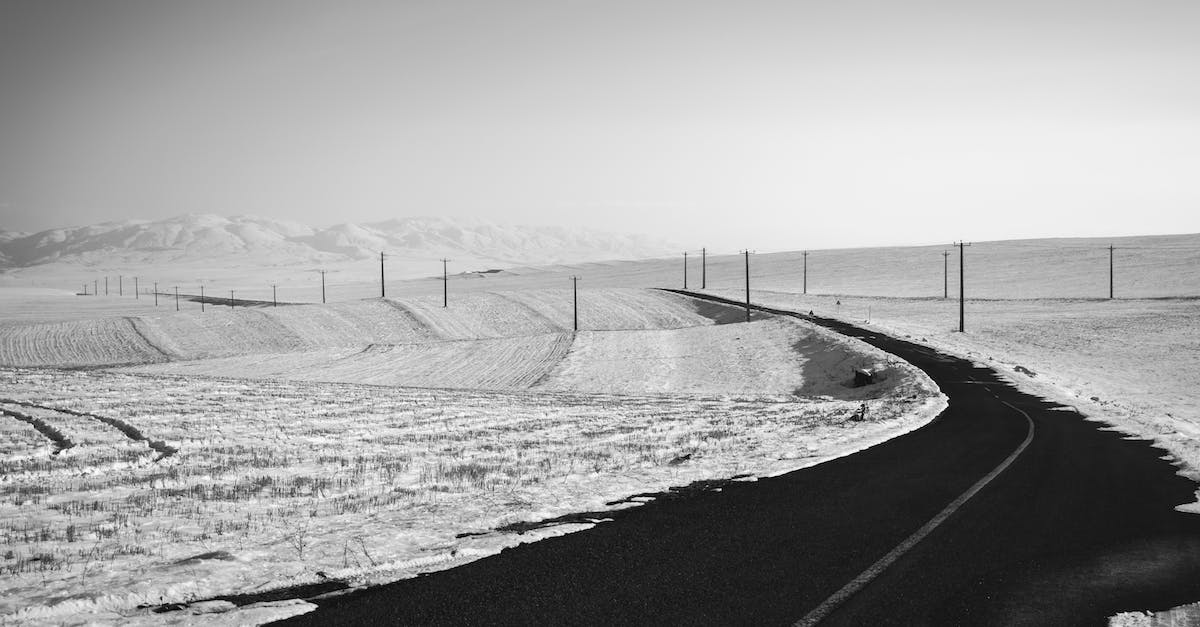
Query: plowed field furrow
[
  {"x": 498, "y": 364},
  {"x": 483, "y": 315},
  {"x": 75, "y": 343}
]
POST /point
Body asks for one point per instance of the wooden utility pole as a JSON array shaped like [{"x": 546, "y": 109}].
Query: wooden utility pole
[
  {"x": 747, "y": 253},
  {"x": 231, "y": 299},
  {"x": 274, "y": 301},
  {"x": 805, "y": 288},
  {"x": 201, "y": 299},
  {"x": 135, "y": 288},
  {"x": 445, "y": 284},
  {"x": 120, "y": 285},
  {"x": 961, "y": 286},
  {"x": 575, "y": 300},
  {"x": 703, "y": 268},
  {"x": 96, "y": 287},
  {"x": 106, "y": 286},
  {"x": 1110, "y": 271},
  {"x": 382, "y": 290},
  {"x": 176, "y": 298},
  {"x": 156, "y": 294},
  {"x": 945, "y": 274},
  {"x": 685, "y": 269},
  {"x": 322, "y": 285}
]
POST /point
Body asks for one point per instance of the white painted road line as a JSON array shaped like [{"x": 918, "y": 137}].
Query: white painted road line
[{"x": 864, "y": 578}]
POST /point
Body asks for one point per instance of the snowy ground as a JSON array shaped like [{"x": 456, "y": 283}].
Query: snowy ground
[
  {"x": 1131, "y": 362},
  {"x": 236, "y": 451}
]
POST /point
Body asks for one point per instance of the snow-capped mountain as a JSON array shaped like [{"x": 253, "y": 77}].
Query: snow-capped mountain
[{"x": 209, "y": 239}]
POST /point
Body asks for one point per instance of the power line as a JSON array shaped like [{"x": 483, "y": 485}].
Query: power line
[
  {"x": 1110, "y": 271},
  {"x": 805, "y": 290},
  {"x": 685, "y": 269},
  {"x": 945, "y": 274},
  {"x": 445, "y": 284},
  {"x": 961, "y": 286},
  {"x": 575, "y": 300},
  {"x": 747, "y": 254}
]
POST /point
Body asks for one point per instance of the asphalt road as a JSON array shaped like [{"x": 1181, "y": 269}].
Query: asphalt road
[{"x": 1081, "y": 525}]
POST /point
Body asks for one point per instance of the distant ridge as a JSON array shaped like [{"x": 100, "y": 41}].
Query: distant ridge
[{"x": 205, "y": 238}]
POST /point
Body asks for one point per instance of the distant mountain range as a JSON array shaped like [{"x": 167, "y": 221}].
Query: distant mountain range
[{"x": 195, "y": 239}]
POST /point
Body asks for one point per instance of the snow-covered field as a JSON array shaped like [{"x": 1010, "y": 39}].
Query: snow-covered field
[
  {"x": 1132, "y": 363},
  {"x": 239, "y": 450},
  {"x": 260, "y": 403}
]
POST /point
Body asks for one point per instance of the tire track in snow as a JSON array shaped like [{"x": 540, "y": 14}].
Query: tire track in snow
[
  {"x": 61, "y": 441},
  {"x": 164, "y": 450}
]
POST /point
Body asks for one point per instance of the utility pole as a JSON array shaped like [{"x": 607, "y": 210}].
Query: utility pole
[
  {"x": 382, "y": 290},
  {"x": 945, "y": 274},
  {"x": 805, "y": 289},
  {"x": 961, "y": 285},
  {"x": 156, "y": 294},
  {"x": 96, "y": 287},
  {"x": 747, "y": 253},
  {"x": 135, "y": 288},
  {"x": 703, "y": 268},
  {"x": 575, "y": 300},
  {"x": 120, "y": 285},
  {"x": 322, "y": 285},
  {"x": 201, "y": 299},
  {"x": 1110, "y": 271},
  {"x": 176, "y": 298},
  {"x": 685, "y": 269},
  {"x": 231, "y": 299},
  {"x": 445, "y": 284},
  {"x": 106, "y": 286},
  {"x": 274, "y": 301}
]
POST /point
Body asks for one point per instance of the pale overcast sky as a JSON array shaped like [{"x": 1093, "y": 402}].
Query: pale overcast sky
[{"x": 763, "y": 124}]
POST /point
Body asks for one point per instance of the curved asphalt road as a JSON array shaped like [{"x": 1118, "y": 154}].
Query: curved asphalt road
[{"x": 1080, "y": 525}]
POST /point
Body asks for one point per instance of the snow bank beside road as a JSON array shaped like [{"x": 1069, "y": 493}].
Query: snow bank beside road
[{"x": 1134, "y": 364}]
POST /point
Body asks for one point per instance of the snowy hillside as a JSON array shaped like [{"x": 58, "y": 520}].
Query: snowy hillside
[{"x": 214, "y": 242}]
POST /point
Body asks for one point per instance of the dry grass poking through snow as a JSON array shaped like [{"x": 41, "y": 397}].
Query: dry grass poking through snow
[
  {"x": 359, "y": 482},
  {"x": 283, "y": 464}
]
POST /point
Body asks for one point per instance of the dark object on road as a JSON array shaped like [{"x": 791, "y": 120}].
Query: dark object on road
[{"x": 863, "y": 376}]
